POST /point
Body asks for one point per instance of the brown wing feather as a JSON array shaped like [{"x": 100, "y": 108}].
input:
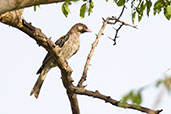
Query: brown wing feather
[{"x": 60, "y": 42}]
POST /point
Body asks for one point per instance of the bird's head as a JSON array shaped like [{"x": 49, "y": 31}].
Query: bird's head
[{"x": 81, "y": 28}]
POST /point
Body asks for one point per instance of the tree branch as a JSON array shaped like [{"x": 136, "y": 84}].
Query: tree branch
[
  {"x": 124, "y": 23},
  {"x": 84, "y": 75},
  {"x": 10, "y": 5},
  {"x": 108, "y": 99}
]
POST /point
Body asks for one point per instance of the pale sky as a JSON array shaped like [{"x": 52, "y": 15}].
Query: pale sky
[{"x": 140, "y": 57}]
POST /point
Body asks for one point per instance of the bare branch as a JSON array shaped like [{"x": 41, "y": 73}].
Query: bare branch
[
  {"x": 124, "y": 23},
  {"x": 74, "y": 102},
  {"x": 108, "y": 99},
  {"x": 84, "y": 75}
]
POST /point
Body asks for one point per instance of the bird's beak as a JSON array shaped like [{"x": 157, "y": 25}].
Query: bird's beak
[{"x": 88, "y": 30}]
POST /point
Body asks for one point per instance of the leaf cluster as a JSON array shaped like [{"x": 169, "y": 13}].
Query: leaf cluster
[
  {"x": 138, "y": 7},
  {"x": 87, "y": 6},
  {"x": 133, "y": 96},
  {"x": 164, "y": 5}
]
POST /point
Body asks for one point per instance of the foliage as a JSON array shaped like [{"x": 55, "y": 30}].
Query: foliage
[
  {"x": 65, "y": 8},
  {"x": 133, "y": 96},
  {"x": 35, "y": 7},
  {"x": 87, "y": 6},
  {"x": 138, "y": 7}
]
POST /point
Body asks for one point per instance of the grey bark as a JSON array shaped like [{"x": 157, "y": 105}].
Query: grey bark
[{"x": 10, "y": 5}]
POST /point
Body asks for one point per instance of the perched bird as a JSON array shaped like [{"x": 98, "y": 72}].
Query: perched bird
[{"x": 68, "y": 46}]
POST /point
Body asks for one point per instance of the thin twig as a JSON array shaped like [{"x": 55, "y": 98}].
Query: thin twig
[
  {"x": 116, "y": 34},
  {"x": 116, "y": 19},
  {"x": 122, "y": 23},
  {"x": 121, "y": 12}
]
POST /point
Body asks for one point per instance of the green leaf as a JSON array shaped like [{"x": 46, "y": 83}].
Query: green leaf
[
  {"x": 121, "y": 2},
  {"x": 133, "y": 17},
  {"x": 149, "y": 4},
  {"x": 157, "y": 7},
  {"x": 133, "y": 96},
  {"x": 167, "y": 12},
  {"x": 139, "y": 17},
  {"x": 127, "y": 97},
  {"x": 138, "y": 10},
  {"x": 83, "y": 10},
  {"x": 142, "y": 8},
  {"x": 91, "y": 6},
  {"x": 137, "y": 98},
  {"x": 107, "y": 0},
  {"x": 34, "y": 8},
  {"x": 159, "y": 82},
  {"x": 65, "y": 9},
  {"x": 115, "y": 1}
]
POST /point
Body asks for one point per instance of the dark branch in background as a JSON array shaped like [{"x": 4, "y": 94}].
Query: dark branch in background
[
  {"x": 121, "y": 13},
  {"x": 117, "y": 30},
  {"x": 110, "y": 21},
  {"x": 66, "y": 71},
  {"x": 116, "y": 34}
]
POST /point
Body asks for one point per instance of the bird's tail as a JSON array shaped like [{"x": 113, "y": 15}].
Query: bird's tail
[{"x": 39, "y": 82}]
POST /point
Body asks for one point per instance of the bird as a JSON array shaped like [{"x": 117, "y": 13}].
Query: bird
[{"x": 68, "y": 45}]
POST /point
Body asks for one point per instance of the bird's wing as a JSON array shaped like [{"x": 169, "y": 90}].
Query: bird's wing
[{"x": 61, "y": 41}]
